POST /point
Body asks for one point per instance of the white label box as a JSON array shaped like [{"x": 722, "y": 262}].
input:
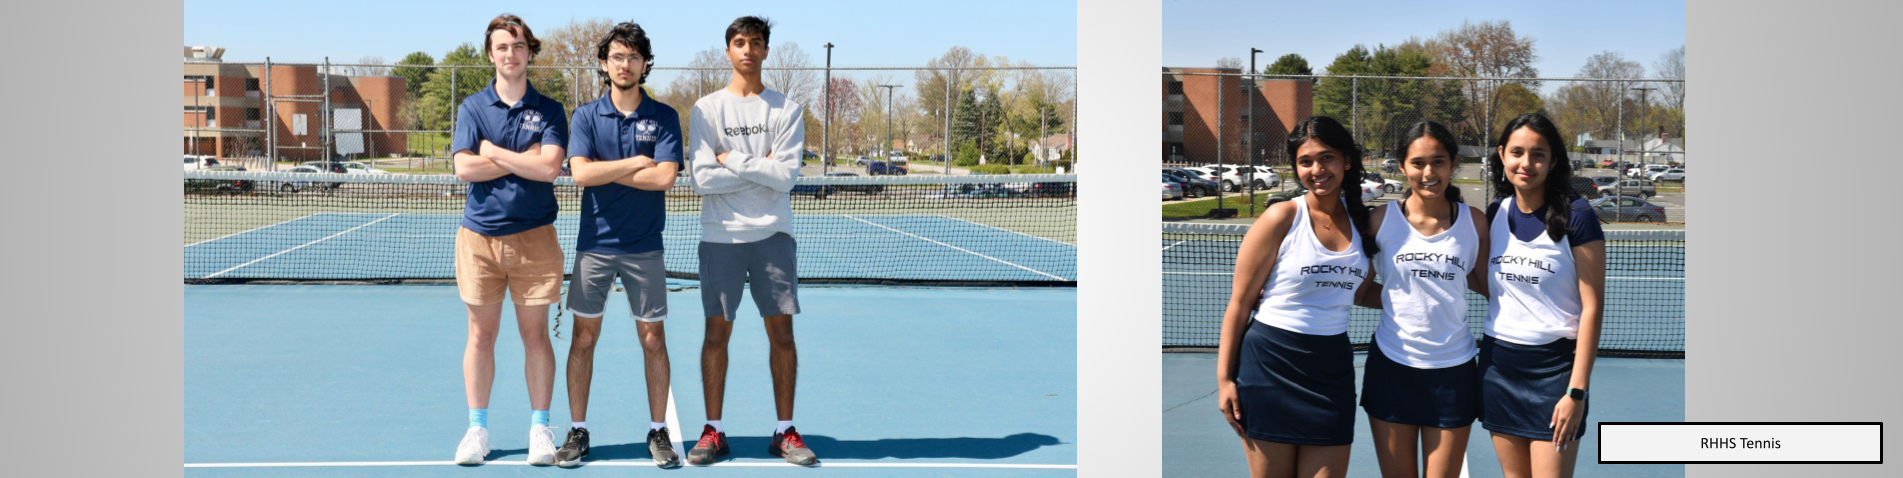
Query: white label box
[{"x": 1741, "y": 442}]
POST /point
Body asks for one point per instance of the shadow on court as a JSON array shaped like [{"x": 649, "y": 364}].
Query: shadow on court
[{"x": 832, "y": 448}]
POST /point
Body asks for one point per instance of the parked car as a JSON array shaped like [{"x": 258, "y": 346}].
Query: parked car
[
  {"x": 194, "y": 163},
  {"x": 857, "y": 188},
  {"x": 1288, "y": 195},
  {"x": 1584, "y": 187},
  {"x": 292, "y": 187},
  {"x": 1171, "y": 190},
  {"x": 974, "y": 191},
  {"x": 1051, "y": 190},
  {"x": 1627, "y": 209},
  {"x": 861, "y": 161},
  {"x": 1386, "y": 185},
  {"x": 878, "y": 168},
  {"x": 1629, "y": 187},
  {"x": 817, "y": 191},
  {"x": 219, "y": 186},
  {"x": 1607, "y": 163},
  {"x": 1391, "y": 165},
  {"x": 1645, "y": 170},
  {"x": 1263, "y": 177},
  {"x": 1676, "y": 174},
  {"x": 1195, "y": 185}
]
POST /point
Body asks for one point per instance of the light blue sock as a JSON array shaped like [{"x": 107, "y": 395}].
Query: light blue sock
[
  {"x": 539, "y": 418},
  {"x": 479, "y": 418}
]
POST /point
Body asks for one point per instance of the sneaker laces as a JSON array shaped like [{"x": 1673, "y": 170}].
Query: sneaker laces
[
  {"x": 708, "y": 438},
  {"x": 658, "y": 438},
  {"x": 574, "y": 439},
  {"x": 792, "y": 440}
]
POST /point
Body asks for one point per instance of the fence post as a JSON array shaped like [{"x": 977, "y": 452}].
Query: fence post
[
  {"x": 270, "y": 119},
  {"x": 323, "y": 141}
]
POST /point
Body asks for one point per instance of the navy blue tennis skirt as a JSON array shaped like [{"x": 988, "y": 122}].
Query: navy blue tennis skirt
[
  {"x": 1297, "y": 388},
  {"x": 1520, "y": 385},
  {"x": 1435, "y": 397}
]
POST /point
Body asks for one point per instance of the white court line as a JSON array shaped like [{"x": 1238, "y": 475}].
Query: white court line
[
  {"x": 279, "y": 253},
  {"x": 640, "y": 463},
  {"x": 260, "y": 228},
  {"x": 673, "y": 420},
  {"x": 1178, "y": 243},
  {"x": 1005, "y": 230},
  {"x": 960, "y": 249}
]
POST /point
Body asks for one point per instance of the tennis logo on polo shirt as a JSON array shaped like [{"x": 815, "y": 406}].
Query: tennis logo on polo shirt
[
  {"x": 647, "y": 130},
  {"x": 532, "y": 120}
]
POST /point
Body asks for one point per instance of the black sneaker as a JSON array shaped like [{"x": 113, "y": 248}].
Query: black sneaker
[
  {"x": 663, "y": 449},
  {"x": 573, "y": 449}
]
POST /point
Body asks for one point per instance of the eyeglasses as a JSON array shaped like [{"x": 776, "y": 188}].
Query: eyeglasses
[{"x": 623, "y": 60}]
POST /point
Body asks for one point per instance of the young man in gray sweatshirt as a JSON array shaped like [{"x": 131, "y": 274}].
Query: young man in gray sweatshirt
[{"x": 745, "y": 143}]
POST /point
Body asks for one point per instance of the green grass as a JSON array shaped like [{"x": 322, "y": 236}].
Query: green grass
[{"x": 1187, "y": 208}]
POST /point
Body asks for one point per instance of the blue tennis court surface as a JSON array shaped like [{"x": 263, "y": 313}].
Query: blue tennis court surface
[
  {"x": 343, "y": 246},
  {"x": 1197, "y": 441},
  {"x": 333, "y": 380}
]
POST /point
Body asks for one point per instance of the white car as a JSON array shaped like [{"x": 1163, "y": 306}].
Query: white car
[
  {"x": 1645, "y": 170},
  {"x": 1171, "y": 190},
  {"x": 1264, "y": 177},
  {"x": 194, "y": 163},
  {"x": 1673, "y": 174},
  {"x": 356, "y": 167},
  {"x": 1384, "y": 185},
  {"x": 292, "y": 187},
  {"x": 1369, "y": 193}
]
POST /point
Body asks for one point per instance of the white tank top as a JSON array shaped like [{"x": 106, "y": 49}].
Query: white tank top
[
  {"x": 1535, "y": 288},
  {"x": 1424, "y": 291},
  {"x": 1311, "y": 288}
]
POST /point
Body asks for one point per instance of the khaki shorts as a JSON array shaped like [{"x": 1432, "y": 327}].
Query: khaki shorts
[{"x": 527, "y": 264}]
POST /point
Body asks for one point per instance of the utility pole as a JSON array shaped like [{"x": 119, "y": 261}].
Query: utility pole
[
  {"x": 887, "y": 147},
  {"x": 826, "y": 133},
  {"x": 1251, "y": 136}
]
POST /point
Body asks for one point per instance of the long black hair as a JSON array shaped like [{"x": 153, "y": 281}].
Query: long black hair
[
  {"x": 1331, "y": 133},
  {"x": 628, "y": 34},
  {"x": 1559, "y": 176},
  {"x": 1440, "y": 133}
]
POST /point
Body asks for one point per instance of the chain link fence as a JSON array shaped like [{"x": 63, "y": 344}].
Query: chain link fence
[
  {"x": 1224, "y": 135},
  {"x": 399, "y": 118}
]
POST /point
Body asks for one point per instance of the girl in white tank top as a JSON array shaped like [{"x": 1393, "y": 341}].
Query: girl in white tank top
[
  {"x": 1424, "y": 290},
  {"x": 1311, "y": 289}
]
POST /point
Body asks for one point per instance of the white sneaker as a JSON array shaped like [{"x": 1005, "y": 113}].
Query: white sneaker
[
  {"x": 541, "y": 445},
  {"x": 474, "y": 447}
]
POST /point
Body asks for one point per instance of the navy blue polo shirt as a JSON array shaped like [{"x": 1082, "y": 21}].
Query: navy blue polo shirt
[
  {"x": 509, "y": 204},
  {"x": 616, "y": 219}
]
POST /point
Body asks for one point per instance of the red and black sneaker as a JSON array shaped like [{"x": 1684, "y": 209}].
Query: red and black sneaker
[
  {"x": 712, "y": 446},
  {"x": 790, "y": 446}
]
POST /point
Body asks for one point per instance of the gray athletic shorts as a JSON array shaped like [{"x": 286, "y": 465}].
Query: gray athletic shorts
[
  {"x": 643, "y": 274},
  {"x": 768, "y": 265}
]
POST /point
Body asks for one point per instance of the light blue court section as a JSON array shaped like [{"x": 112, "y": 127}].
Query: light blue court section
[
  {"x": 1198, "y": 442},
  {"x": 892, "y": 382},
  {"x": 343, "y": 246}
]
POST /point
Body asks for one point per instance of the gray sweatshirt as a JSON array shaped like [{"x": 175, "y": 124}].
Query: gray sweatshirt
[{"x": 745, "y": 199}]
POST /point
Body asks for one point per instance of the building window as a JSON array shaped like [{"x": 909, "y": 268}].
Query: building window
[
  {"x": 251, "y": 84},
  {"x": 210, "y": 113},
  {"x": 1176, "y": 119},
  {"x": 209, "y": 82},
  {"x": 1174, "y": 87},
  {"x": 251, "y": 114}
]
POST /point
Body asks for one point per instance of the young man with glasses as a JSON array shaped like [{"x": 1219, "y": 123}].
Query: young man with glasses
[
  {"x": 746, "y": 142},
  {"x": 625, "y": 152}
]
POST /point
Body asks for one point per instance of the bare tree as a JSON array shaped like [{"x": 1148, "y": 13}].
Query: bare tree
[
  {"x": 945, "y": 77},
  {"x": 1485, "y": 49},
  {"x": 801, "y": 86},
  {"x": 573, "y": 47},
  {"x": 1671, "y": 66},
  {"x": 1601, "y": 100},
  {"x": 1229, "y": 62}
]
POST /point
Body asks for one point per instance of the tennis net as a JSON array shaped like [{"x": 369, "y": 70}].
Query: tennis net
[
  {"x": 957, "y": 230},
  {"x": 1644, "y": 303}
]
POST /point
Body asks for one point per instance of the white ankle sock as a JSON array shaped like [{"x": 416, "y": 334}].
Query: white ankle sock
[
  {"x": 652, "y": 426},
  {"x": 580, "y": 425},
  {"x": 784, "y": 424},
  {"x": 716, "y": 425}
]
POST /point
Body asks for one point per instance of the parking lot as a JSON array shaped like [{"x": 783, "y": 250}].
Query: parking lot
[{"x": 1473, "y": 190}]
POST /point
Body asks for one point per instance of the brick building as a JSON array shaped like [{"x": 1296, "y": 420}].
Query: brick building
[
  {"x": 225, "y": 108},
  {"x": 1192, "y": 111}
]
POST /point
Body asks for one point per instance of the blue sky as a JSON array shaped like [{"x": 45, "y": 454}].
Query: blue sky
[
  {"x": 864, "y": 33},
  {"x": 1197, "y": 33}
]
